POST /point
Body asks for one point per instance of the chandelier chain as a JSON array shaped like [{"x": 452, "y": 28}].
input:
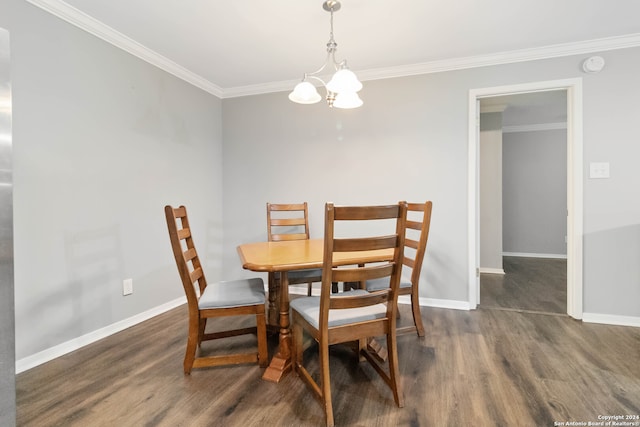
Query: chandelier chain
[{"x": 331, "y": 45}]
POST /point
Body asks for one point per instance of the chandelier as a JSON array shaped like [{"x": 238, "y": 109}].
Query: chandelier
[{"x": 342, "y": 89}]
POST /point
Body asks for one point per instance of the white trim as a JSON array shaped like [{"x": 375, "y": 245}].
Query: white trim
[
  {"x": 44, "y": 356},
  {"x": 436, "y": 303},
  {"x": 491, "y": 270},
  {"x": 575, "y": 201},
  {"x": 499, "y": 108},
  {"x": 91, "y": 25},
  {"x": 611, "y": 319},
  {"x": 473, "y": 206},
  {"x": 402, "y": 299},
  {"x": 534, "y": 128},
  {"x": 534, "y": 255},
  {"x": 441, "y": 303},
  {"x": 574, "y": 184}
]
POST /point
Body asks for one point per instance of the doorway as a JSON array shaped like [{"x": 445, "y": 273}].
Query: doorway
[
  {"x": 523, "y": 199},
  {"x": 573, "y": 90}
]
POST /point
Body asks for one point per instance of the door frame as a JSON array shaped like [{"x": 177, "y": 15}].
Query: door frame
[{"x": 574, "y": 185}]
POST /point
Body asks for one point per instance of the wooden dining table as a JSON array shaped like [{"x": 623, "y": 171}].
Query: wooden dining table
[{"x": 283, "y": 257}]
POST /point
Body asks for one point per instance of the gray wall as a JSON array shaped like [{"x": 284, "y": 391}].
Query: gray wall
[
  {"x": 535, "y": 192},
  {"x": 491, "y": 192},
  {"x": 102, "y": 141},
  {"x": 397, "y": 147},
  {"x": 409, "y": 141}
]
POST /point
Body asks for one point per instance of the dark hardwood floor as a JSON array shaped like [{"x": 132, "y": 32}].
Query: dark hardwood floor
[
  {"x": 474, "y": 368},
  {"x": 530, "y": 284}
]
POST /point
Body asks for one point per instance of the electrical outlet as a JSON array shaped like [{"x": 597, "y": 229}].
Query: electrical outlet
[
  {"x": 599, "y": 170},
  {"x": 127, "y": 286}
]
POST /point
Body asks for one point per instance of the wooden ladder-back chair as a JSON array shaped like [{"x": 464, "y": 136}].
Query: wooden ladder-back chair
[
  {"x": 290, "y": 222},
  {"x": 356, "y": 315},
  {"x": 417, "y": 234},
  {"x": 227, "y": 298}
]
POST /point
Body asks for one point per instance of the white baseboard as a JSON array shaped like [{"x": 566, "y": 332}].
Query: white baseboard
[
  {"x": 611, "y": 319},
  {"x": 534, "y": 255},
  {"x": 44, "y": 356},
  {"x": 402, "y": 299},
  {"x": 492, "y": 270},
  {"x": 441, "y": 303}
]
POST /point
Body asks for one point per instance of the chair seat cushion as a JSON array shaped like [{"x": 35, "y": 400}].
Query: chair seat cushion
[
  {"x": 309, "y": 309},
  {"x": 383, "y": 283},
  {"x": 232, "y": 293},
  {"x": 314, "y": 274}
]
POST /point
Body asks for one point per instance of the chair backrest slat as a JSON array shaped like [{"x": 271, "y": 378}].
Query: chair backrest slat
[
  {"x": 358, "y": 274},
  {"x": 415, "y": 225},
  {"x": 344, "y": 302},
  {"x": 410, "y": 243},
  {"x": 190, "y": 254},
  {"x": 364, "y": 244},
  {"x": 364, "y": 213},
  {"x": 287, "y": 237},
  {"x": 196, "y": 274},
  {"x": 283, "y": 222}
]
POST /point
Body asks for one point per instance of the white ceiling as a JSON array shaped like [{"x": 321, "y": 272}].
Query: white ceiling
[{"x": 232, "y": 47}]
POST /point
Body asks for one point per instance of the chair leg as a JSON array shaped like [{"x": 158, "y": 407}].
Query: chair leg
[
  {"x": 202, "y": 325},
  {"x": 309, "y": 288},
  {"x": 394, "y": 372},
  {"x": 362, "y": 344},
  {"x": 193, "y": 340},
  {"x": 297, "y": 344},
  {"x": 326, "y": 381},
  {"x": 415, "y": 309},
  {"x": 261, "y": 324}
]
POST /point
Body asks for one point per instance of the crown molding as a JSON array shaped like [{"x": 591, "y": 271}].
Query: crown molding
[
  {"x": 508, "y": 57},
  {"x": 534, "y": 128},
  {"x": 259, "y": 89},
  {"x": 498, "y": 108},
  {"x": 91, "y": 25},
  {"x": 523, "y": 55}
]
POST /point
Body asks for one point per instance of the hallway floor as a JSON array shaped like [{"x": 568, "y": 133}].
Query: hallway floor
[{"x": 529, "y": 284}]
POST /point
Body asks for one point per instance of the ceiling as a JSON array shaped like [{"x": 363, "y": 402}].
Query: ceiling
[{"x": 247, "y": 46}]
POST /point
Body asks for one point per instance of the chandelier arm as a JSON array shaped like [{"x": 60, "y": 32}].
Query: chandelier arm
[{"x": 311, "y": 76}]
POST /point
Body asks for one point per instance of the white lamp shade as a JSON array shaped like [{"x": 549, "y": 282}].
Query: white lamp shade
[
  {"x": 305, "y": 93},
  {"x": 344, "y": 80},
  {"x": 347, "y": 100}
]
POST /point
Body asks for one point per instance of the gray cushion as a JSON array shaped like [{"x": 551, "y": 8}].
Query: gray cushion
[
  {"x": 312, "y": 273},
  {"x": 232, "y": 293},
  {"x": 383, "y": 283},
  {"x": 309, "y": 308}
]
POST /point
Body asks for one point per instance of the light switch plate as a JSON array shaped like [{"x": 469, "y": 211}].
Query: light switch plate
[
  {"x": 599, "y": 170},
  {"x": 127, "y": 286}
]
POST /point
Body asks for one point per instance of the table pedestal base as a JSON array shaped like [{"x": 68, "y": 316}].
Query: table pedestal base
[
  {"x": 281, "y": 363},
  {"x": 277, "y": 369}
]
